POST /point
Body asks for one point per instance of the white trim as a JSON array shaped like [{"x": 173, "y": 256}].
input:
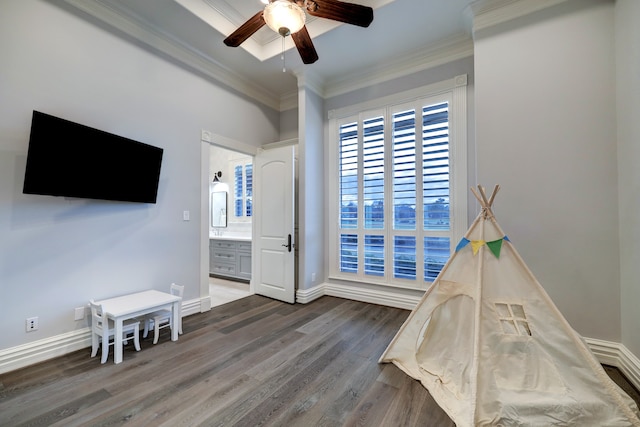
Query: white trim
[
  {"x": 229, "y": 143},
  {"x": 305, "y": 296},
  {"x": 432, "y": 89},
  {"x": 455, "y": 92},
  {"x": 262, "y": 46},
  {"x": 607, "y": 352},
  {"x": 157, "y": 40},
  {"x": 488, "y": 13},
  {"x": 195, "y": 306},
  {"x": 615, "y": 354},
  {"x": 283, "y": 143},
  {"x": 372, "y": 296},
  {"x": 38, "y": 351},
  {"x": 459, "y": 162},
  {"x": 288, "y": 101},
  {"x": 448, "y": 50}
]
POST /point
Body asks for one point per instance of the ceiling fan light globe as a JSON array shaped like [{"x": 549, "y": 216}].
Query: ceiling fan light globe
[{"x": 283, "y": 14}]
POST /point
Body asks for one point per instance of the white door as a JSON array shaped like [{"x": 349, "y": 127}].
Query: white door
[{"x": 273, "y": 204}]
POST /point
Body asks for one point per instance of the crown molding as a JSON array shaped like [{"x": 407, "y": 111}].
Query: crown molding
[
  {"x": 162, "y": 42},
  {"x": 447, "y": 50},
  {"x": 307, "y": 79},
  {"x": 264, "y": 45},
  {"x": 488, "y": 13},
  {"x": 289, "y": 101}
]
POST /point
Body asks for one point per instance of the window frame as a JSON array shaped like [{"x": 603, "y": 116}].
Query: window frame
[
  {"x": 245, "y": 196},
  {"x": 452, "y": 91}
]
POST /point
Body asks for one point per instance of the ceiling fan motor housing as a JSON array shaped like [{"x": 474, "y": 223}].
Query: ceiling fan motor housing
[{"x": 284, "y": 17}]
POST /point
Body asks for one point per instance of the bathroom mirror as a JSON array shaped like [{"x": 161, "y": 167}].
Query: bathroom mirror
[{"x": 219, "y": 209}]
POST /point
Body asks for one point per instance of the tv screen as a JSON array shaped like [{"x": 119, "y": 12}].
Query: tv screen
[{"x": 72, "y": 160}]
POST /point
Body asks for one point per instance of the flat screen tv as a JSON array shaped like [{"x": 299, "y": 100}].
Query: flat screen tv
[{"x": 72, "y": 160}]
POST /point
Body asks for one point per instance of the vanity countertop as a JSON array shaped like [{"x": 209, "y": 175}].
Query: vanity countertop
[{"x": 231, "y": 236}]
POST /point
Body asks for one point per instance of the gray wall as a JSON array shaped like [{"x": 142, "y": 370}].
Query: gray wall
[
  {"x": 57, "y": 253},
  {"x": 627, "y": 16},
  {"x": 546, "y": 132}
]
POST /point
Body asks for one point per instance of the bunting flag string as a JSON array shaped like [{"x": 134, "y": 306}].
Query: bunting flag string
[{"x": 495, "y": 246}]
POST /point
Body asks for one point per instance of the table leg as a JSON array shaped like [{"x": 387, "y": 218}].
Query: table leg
[
  {"x": 117, "y": 341},
  {"x": 176, "y": 321}
]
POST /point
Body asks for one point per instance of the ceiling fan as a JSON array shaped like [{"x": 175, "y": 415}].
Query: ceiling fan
[{"x": 287, "y": 17}]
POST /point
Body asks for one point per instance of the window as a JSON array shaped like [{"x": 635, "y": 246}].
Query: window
[
  {"x": 399, "y": 195},
  {"x": 512, "y": 319},
  {"x": 242, "y": 190}
]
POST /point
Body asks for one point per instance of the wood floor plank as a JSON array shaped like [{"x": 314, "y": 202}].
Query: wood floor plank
[
  {"x": 251, "y": 362},
  {"x": 414, "y": 406},
  {"x": 372, "y": 407},
  {"x": 62, "y": 412}
]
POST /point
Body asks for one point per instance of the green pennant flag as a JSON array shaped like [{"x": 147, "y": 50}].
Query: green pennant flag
[{"x": 495, "y": 247}]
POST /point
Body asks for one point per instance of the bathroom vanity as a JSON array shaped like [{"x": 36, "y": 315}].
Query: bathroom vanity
[{"x": 230, "y": 257}]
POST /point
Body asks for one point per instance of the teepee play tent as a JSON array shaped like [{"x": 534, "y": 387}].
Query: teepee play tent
[{"x": 493, "y": 350}]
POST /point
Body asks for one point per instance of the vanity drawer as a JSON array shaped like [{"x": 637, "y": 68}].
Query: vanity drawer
[
  {"x": 223, "y": 244},
  {"x": 224, "y": 269},
  {"x": 244, "y": 246},
  {"x": 222, "y": 255}
]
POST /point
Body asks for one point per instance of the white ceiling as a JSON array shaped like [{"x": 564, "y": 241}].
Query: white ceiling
[{"x": 403, "y": 33}]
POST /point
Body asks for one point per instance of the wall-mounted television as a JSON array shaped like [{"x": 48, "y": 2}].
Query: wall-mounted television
[{"x": 73, "y": 160}]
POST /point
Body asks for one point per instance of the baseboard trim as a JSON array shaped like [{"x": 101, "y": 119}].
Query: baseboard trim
[
  {"x": 305, "y": 296},
  {"x": 195, "y": 306},
  {"x": 373, "y": 296},
  {"x": 607, "y": 352},
  {"x": 38, "y": 351},
  {"x": 615, "y": 354}
]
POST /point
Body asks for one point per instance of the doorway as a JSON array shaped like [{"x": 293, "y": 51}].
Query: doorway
[
  {"x": 229, "y": 225},
  {"x": 263, "y": 261},
  {"x": 223, "y": 291}
]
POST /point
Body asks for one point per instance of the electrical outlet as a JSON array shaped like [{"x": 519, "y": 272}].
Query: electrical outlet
[
  {"x": 79, "y": 313},
  {"x": 186, "y": 216},
  {"x": 32, "y": 324}
]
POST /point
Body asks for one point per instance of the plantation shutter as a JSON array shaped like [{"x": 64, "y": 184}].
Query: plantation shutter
[{"x": 393, "y": 188}]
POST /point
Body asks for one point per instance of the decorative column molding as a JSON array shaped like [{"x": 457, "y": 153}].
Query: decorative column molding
[
  {"x": 459, "y": 152},
  {"x": 309, "y": 80}
]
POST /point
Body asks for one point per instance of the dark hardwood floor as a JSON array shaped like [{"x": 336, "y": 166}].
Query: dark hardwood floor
[{"x": 251, "y": 362}]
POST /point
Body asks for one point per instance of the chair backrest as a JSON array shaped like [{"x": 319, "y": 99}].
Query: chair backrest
[
  {"x": 96, "y": 314},
  {"x": 177, "y": 290}
]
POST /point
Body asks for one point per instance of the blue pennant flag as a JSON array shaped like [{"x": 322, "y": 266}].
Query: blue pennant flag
[{"x": 464, "y": 242}]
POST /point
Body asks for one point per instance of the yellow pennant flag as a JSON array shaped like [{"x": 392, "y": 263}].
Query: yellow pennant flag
[{"x": 476, "y": 244}]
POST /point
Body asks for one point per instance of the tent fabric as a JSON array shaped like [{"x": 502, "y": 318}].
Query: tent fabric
[{"x": 492, "y": 349}]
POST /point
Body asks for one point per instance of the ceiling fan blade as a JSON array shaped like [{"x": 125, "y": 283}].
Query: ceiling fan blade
[
  {"x": 350, "y": 13},
  {"x": 303, "y": 42},
  {"x": 245, "y": 30}
]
